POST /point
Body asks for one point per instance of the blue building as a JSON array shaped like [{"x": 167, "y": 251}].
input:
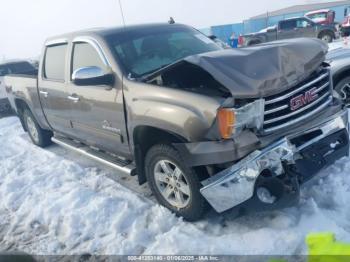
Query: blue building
[{"x": 256, "y": 23}]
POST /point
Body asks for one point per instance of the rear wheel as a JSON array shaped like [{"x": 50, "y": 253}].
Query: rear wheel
[
  {"x": 39, "y": 136},
  {"x": 174, "y": 184}
]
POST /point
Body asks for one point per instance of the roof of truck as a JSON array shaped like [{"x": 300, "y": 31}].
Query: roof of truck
[
  {"x": 318, "y": 11},
  {"x": 13, "y": 61},
  {"x": 114, "y": 30}
]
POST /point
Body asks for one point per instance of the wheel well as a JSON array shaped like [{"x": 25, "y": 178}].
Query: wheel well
[
  {"x": 338, "y": 77},
  {"x": 254, "y": 42},
  {"x": 144, "y": 138},
  {"x": 21, "y": 106},
  {"x": 147, "y": 136}
]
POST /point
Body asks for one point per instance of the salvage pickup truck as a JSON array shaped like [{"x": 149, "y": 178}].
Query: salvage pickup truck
[
  {"x": 203, "y": 125},
  {"x": 292, "y": 28}
]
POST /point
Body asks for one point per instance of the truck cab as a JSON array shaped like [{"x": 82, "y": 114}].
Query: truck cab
[
  {"x": 300, "y": 27},
  {"x": 323, "y": 17}
]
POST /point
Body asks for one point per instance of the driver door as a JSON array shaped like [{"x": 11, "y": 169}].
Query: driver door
[
  {"x": 305, "y": 28},
  {"x": 97, "y": 115}
]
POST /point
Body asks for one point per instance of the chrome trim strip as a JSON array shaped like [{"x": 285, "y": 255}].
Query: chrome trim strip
[
  {"x": 58, "y": 41},
  {"x": 294, "y": 121},
  {"x": 322, "y": 87},
  {"x": 128, "y": 169},
  {"x": 276, "y": 109},
  {"x": 96, "y": 45},
  {"x": 286, "y": 106},
  {"x": 280, "y": 98},
  {"x": 297, "y": 111},
  {"x": 236, "y": 184}
]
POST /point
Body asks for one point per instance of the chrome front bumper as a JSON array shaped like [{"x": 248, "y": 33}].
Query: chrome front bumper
[{"x": 236, "y": 184}]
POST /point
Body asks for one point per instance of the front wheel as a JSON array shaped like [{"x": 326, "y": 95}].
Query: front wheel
[
  {"x": 326, "y": 37},
  {"x": 174, "y": 184},
  {"x": 39, "y": 136},
  {"x": 343, "y": 89}
]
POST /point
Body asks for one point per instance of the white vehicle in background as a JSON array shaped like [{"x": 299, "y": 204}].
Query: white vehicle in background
[{"x": 11, "y": 67}]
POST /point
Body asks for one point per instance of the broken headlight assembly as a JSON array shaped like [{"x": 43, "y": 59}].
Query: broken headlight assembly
[{"x": 231, "y": 121}]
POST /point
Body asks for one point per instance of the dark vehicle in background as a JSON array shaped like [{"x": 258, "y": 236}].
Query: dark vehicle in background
[
  {"x": 202, "y": 125},
  {"x": 323, "y": 16},
  {"x": 11, "y": 67},
  {"x": 292, "y": 28}
]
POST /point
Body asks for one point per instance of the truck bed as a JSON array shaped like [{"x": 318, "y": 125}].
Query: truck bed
[{"x": 23, "y": 86}]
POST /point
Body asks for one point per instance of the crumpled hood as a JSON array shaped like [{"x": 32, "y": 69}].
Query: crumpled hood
[{"x": 265, "y": 69}]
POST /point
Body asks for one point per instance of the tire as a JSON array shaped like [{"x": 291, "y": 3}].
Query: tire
[
  {"x": 326, "y": 37},
  {"x": 193, "y": 206},
  {"x": 343, "y": 89},
  {"x": 39, "y": 136}
]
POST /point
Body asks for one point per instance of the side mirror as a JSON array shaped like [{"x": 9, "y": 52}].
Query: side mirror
[{"x": 92, "y": 75}]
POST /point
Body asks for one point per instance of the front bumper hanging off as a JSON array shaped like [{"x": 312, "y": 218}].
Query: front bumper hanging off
[{"x": 308, "y": 152}]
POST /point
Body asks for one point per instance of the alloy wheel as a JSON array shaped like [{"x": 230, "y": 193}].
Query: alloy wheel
[{"x": 172, "y": 183}]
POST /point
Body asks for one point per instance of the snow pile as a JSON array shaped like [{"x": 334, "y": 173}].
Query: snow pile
[{"x": 55, "y": 202}]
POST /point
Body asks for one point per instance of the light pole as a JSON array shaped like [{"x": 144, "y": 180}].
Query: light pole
[{"x": 121, "y": 11}]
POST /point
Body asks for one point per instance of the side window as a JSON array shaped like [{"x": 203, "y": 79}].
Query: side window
[
  {"x": 302, "y": 23},
  {"x": 55, "y": 62},
  {"x": 85, "y": 55},
  {"x": 287, "y": 25}
]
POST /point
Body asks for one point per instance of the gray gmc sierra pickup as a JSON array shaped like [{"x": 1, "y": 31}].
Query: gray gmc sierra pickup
[{"x": 202, "y": 125}]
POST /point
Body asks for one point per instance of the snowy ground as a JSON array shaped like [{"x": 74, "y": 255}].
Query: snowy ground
[
  {"x": 340, "y": 43},
  {"x": 55, "y": 202}
]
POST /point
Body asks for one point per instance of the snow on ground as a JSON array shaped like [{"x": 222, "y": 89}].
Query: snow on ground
[
  {"x": 339, "y": 43},
  {"x": 56, "y": 202}
]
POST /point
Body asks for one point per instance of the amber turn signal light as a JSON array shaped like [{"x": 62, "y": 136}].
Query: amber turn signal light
[{"x": 226, "y": 120}]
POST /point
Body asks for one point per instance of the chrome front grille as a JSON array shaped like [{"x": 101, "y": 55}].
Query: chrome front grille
[{"x": 299, "y": 103}]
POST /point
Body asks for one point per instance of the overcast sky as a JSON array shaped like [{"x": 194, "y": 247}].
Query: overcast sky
[{"x": 26, "y": 23}]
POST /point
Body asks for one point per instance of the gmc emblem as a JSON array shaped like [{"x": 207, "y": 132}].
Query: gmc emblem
[{"x": 303, "y": 99}]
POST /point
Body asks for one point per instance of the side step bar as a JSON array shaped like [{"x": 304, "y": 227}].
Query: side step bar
[{"x": 104, "y": 158}]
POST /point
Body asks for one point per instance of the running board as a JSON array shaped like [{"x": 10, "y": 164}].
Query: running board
[{"x": 104, "y": 158}]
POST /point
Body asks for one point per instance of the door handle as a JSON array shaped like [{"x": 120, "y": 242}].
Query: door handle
[
  {"x": 74, "y": 98},
  {"x": 44, "y": 93}
]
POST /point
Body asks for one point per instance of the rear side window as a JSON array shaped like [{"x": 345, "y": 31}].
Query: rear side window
[
  {"x": 288, "y": 25},
  {"x": 85, "y": 55},
  {"x": 17, "y": 68},
  {"x": 54, "y": 65}
]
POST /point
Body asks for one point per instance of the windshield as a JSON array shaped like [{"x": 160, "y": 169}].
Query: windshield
[
  {"x": 317, "y": 16},
  {"x": 142, "y": 53}
]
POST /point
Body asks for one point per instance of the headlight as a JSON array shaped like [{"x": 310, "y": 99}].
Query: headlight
[{"x": 232, "y": 121}]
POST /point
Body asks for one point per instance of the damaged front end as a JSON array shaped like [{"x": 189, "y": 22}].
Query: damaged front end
[
  {"x": 258, "y": 175},
  {"x": 277, "y": 126}
]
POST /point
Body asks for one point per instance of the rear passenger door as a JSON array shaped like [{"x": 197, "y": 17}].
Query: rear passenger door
[
  {"x": 97, "y": 112},
  {"x": 52, "y": 87}
]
